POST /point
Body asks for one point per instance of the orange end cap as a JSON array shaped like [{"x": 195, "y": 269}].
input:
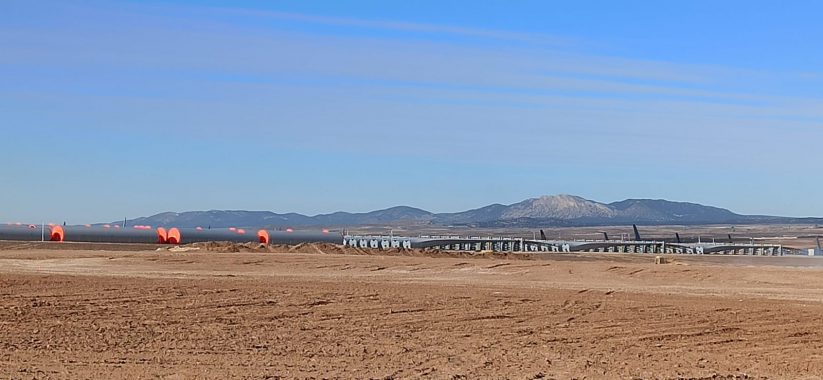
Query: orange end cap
[
  {"x": 162, "y": 235},
  {"x": 263, "y": 236},
  {"x": 57, "y": 233},
  {"x": 174, "y": 236}
]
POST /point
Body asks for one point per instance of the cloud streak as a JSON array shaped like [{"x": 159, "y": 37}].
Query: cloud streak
[
  {"x": 399, "y": 26},
  {"x": 231, "y": 77}
]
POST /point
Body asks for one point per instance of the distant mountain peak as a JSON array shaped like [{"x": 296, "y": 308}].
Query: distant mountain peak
[{"x": 561, "y": 206}]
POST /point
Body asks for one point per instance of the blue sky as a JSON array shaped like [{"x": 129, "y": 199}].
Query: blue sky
[{"x": 112, "y": 109}]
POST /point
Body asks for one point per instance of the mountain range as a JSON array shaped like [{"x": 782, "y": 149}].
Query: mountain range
[{"x": 553, "y": 210}]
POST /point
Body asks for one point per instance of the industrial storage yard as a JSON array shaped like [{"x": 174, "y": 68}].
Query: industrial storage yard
[{"x": 212, "y": 310}]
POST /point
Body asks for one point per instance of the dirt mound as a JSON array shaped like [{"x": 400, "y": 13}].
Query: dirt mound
[
  {"x": 335, "y": 249},
  {"x": 225, "y": 246}
]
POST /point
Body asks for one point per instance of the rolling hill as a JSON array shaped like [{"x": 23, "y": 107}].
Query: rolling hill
[{"x": 550, "y": 210}]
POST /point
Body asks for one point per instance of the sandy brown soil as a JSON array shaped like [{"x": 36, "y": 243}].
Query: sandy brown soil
[{"x": 106, "y": 314}]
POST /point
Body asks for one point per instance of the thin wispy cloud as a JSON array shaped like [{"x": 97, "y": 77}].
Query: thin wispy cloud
[
  {"x": 342, "y": 87},
  {"x": 401, "y": 26}
]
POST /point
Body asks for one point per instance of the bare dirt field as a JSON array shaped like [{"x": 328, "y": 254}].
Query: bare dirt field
[{"x": 202, "y": 314}]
